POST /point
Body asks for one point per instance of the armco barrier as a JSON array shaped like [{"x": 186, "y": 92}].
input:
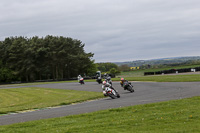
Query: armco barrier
[
  {"x": 184, "y": 70},
  {"x": 170, "y": 71},
  {"x": 158, "y": 72}
]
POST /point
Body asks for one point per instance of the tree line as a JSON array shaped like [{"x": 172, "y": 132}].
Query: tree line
[
  {"x": 108, "y": 67},
  {"x": 50, "y": 57}
]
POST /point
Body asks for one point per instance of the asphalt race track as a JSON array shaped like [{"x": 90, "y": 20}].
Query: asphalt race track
[{"x": 145, "y": 92}]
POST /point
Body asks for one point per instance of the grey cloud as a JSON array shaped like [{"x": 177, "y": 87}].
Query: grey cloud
[{"x": 113, "y": 30}]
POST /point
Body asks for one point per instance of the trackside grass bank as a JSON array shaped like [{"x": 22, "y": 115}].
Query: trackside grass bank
[
  {"x": 20, "y": 99},
  {"x": 175, "y": 116}
]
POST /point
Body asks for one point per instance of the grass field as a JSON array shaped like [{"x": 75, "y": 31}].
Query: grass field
[
  {"x": 177, "y": 116},
  {"x": 138, "y": 73},
  {"x": 18, "y": 99},
  {"x": 165, "y": 78}
]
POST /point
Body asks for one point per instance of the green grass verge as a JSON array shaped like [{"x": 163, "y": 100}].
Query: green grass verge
[
  {"x": 18, "y": 99},
  {"x": 177, "y": 116},
  {"x": 34, "y": 83}
]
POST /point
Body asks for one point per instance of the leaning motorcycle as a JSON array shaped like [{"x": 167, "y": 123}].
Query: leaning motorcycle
[
  {"x": 81, "y": 81},
  {"x": 112, "y": 93},
  {"x": 128, "y": 86}
]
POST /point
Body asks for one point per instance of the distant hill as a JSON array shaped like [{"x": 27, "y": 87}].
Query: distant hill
[{"x": 161, "y": 61}]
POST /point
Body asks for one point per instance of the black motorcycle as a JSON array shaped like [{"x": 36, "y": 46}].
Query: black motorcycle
[
  {"x": 128, "y": 86},
  {"x": 99, "y": 80}
]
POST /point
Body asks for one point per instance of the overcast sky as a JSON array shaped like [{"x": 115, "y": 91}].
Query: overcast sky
[{"x": 114, "y": 30}]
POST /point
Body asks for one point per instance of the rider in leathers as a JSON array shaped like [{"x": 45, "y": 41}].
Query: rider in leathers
[
  {"x": 104, "y": 85},
  {"x": 122, "y": 82}
]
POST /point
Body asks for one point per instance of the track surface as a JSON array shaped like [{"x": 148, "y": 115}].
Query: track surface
[{"x": 145, "y": 92}]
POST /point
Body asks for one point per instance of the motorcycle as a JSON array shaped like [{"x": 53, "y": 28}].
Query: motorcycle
[
  {"x": 81, "y": 81},
  {"x": 111, "y": 92},
  {"x": 99, "y": 80},
  {"x": 128, "y": 86}
]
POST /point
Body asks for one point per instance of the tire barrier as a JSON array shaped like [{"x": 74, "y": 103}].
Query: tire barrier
[
  {"x": 148, "y": 73},
  {"x": 171, "y": 71},
  {"x": 197, "y": 68}
]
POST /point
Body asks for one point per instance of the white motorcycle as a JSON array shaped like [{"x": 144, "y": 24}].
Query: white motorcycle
[{"x": 111, "y": 92}]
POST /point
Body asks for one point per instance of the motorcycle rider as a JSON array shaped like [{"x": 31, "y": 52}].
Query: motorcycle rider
[
  {"x": 79, "y": 77},
  {"x": 122, "y": 81},
  {"x": 98, "y": 77},
  {"x": 108, "y": 78},
  {"x": 105, "y": 75},
  {"x": 104, "y": 85}
]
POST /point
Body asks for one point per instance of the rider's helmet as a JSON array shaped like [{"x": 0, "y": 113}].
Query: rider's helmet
[
  {"x": 104, "y": 82},
  {"x": 122, "y": 79}
]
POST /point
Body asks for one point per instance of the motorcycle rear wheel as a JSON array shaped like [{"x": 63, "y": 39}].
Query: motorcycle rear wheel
[
  {"x": 118, "y": 96},
  {"x": 130, "y": 89}
]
